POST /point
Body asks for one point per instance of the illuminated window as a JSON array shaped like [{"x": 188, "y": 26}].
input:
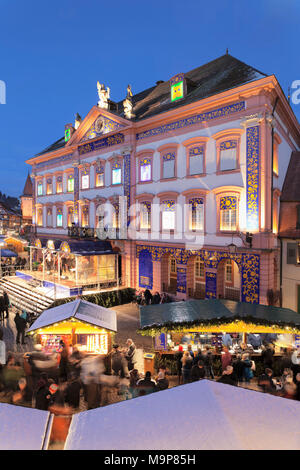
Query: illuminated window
[
  {"x": 228, "y": 271},
  {"x": 177, "y": 87},
  {"x": 70, "y": 216},
  {"x": 196, "y": 219},
  {"x": 85, "y": 180},
  {"x": 228, "y": 213},
  {"x": 49, "y": 217},
  {"x": 199, "y": 268},
  {"x": 70, "y": 183},
  {"x": 173, "y": 268},
  {"x": 59, "y": 218},
  {"x": 116, "y": 216},
  {"x": 196, "y": 160},
  {"x": 85, "y": 216},
  {"x": 228, "y": 155},
  {"x": 49, "y": 186},
  {"x": 39, "y": 220},
  {"x": 99, "y": 179},
  {"x": 59, "y": 185},
  {"x": 168, "y": 215},
  {"x": 116, "y": 173},
  {"x": 169, "y": 165},
  {"x": 40, "y": 188},
  {"x": 145, "y": 214},
  {"x": 275, "y": 159},
  {"x": 145, "y": 169}
]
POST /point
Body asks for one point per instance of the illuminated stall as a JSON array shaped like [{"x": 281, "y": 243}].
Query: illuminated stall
[
  {"x": 213, "y": 323},
  {"x": 88, "y": 326}
]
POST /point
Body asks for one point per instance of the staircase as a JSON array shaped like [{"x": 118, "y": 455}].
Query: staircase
[{"x": 24, "y": 297}]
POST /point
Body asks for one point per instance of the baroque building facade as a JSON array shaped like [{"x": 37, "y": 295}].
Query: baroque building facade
[{"x": 184, "y": 179}]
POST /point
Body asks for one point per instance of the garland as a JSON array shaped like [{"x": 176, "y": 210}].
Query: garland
[{"x": 242, "y": 324}]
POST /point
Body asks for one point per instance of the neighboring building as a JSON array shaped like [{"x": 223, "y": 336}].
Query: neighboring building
[
  {"x": 26, "y": 201},
  {"x": 10, "y": 220},
  {"x": 203, "y": 155},
  {"x": 289, "y": 233}
]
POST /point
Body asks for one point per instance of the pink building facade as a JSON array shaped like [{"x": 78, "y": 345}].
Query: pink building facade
[{"x": 184, "y": 179}]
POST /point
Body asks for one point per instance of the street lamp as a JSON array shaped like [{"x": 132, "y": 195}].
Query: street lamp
[{"x": 232, "y": 248}]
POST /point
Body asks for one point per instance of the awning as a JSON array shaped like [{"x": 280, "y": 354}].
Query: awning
[
  {"x": 80, "y": 310},
  {"x": 5, "y": 253},
  {"x": 218, "y": 315}
]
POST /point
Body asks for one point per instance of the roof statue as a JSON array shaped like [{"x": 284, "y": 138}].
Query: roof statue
[
  {"x": 103, "y": 95},
  {"x": 128, "y": 104},
  {"x": 78, "y": 120}
]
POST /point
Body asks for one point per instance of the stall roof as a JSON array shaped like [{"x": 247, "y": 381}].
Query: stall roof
[
  {"x": 214, "y": 311},
  {"x": 82, "y": 311},
  {"x": 82, "y": 247},
  {"x": 5, "y": 253},
  {"x": 22, "y": 428},
  {"x": 204, "y": 415}
]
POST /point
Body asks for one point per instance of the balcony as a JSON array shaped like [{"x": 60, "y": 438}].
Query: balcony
[{"x": 109, "y": 233}]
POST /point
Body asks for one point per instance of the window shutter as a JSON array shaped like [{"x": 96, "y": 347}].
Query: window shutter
[{"x": 291, "y": 253}]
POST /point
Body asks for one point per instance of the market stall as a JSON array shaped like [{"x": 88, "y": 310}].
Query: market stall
[
  {"x": 203, "y": 415},
  {"x": 215, "y": 323},
  {"x": 88, "y": 326}
]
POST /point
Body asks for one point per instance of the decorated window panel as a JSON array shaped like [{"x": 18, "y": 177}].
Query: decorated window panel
[
  {"x": 169, "y": 165},
  {"x": 49, "y": 217},
  {"x": 196, "y": 214},
  {"x": 59, "y": 184},
  {"x": 196, "y": 162},
  {"x": 40, "y": 188},
  {"x": 116, "y": 215},
  {"x": 99, "y": 176},
  {"x": 199, "y": 268},
  {"x": 168, "y": 215},
  {"x": 49, "y": 186},
  {"x": 228, "y": 213},
  {"x": 145, "y": 169},
  {"x": 59, "y": 218},
  {"x": 116, "y": 173},
  {"x": 70, "y": 216},
  {"x": 228, "y": 155},
  {"x": 85, "y": 216},
  {"x": 145, "y": 215},
  {"x": 40, "y": 217},
  {"x": 85, "y": 179},
  {"x": 70, "y": 184}
]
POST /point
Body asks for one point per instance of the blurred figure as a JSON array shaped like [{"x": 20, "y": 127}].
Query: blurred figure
[
  {"x": 23, "y": 395},
  {"x": 238, "y": 368},
  {"x": 289, "y": 391},
  {"x": 267, "y": 356},
  {"x": 156, "y": 299},
  {"x": 249, "y": 366},
  {"x": 266, "y": 382},
  {"x": 225, "y": 358},
  {"x": 228, "y": 377},
  {"x": 133, "y": 380},
  {"x": 162, "y": 382},
  {"x": 75, "y": 361},
  {"x": 198, "y": 371},
  {"x": 178, "y": 357},
  {"x": 21, "y": 323},
  {"x": 130, "y": 354},
  {"x": 64, "y": 361},
  {"x": 6, "y": 304},
  {"x": 118, "y": 362},
  {"x": 93, "y": 391},
  {"x": 2, "y": 357},
  {"x": 42, "y": 396},
  {"x": 72, "y": 392},
  {"x": 12, "y": 372},
  {"x": 295, "y": 359},
  {"x": 208, "y": 363},
  {"x": 148, "y": 296},
  {"x": 187, "y": 362},
  {"x": 146, "y": 385}
]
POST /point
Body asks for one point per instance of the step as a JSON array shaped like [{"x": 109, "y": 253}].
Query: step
[
  {"x": 25, "y": 297},
  {"x": 29, "y": 291}
]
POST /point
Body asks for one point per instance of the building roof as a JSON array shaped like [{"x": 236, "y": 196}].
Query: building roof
[
  {"x": 203, "y": 415},
  {"x": 28, "y": 188},
  {"x": 219, "y": 75},
  {"x": 217, "y": 312},
  {"x": 291, "y": 187},
  {"x": 79, "y": 309}
]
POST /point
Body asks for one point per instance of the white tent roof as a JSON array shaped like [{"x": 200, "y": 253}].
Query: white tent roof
[
  {"x": 81, "y": 310},
  {"x": 203, "y": 415},
  {"x": 22, "y": 428}
]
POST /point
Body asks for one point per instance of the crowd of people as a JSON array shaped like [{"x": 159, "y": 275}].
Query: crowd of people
[
  {"x": 10, "y": 265},
  {"x": 147, "y": 298},
  {"x": 239, "y": 370}
]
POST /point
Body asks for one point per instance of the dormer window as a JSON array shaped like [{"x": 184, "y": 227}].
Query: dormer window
[{"x": 178, "y": 87}]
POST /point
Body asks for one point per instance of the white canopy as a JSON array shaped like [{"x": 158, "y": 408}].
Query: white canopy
[
  {"x": 23, "y": 428},
  {"x": 81, "y": 310},
  {"x": 203, "y": 415}
]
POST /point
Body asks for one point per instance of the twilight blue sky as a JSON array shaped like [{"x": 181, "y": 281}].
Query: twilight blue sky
[{"x": 52, "y": 52}]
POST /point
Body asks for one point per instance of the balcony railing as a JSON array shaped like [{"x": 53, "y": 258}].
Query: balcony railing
[{"x": 109, "y": 233}]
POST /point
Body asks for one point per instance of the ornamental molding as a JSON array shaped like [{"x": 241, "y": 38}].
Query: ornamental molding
[{"x": 252, "y": 120}]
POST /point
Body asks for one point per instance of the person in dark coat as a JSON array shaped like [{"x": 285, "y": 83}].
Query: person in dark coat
[
  {"x": 146, "y": 385},
  {"x": 267, "y": 356},
  {"x": 265, "y": 381},
  {"x": 93, "y": 392},
  {"x": 42, "y": 396},
  {"x": 64, "y": 362},
  {"x": 118, "y": 362},
  {"x": 198, "y": 371},
  {"x": 72, "y": 392},
  {"x": 2, "y": 308},
  {"x": 6, "y": 303},
  {"x": 178, "y": 357},
  {"x": 148, "y": 296},
  {"x": 133, "y": 380},
  {"x": 162, "y": 382},
  {"x": 208, "y": 364},
  {"x": 228, "y": 377},
  {"x": 130, "y": 354},
  {"x": 21, "y": 327},
  {"x": 156, "y": 299},
  {"x": 238, "y": 368}
]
